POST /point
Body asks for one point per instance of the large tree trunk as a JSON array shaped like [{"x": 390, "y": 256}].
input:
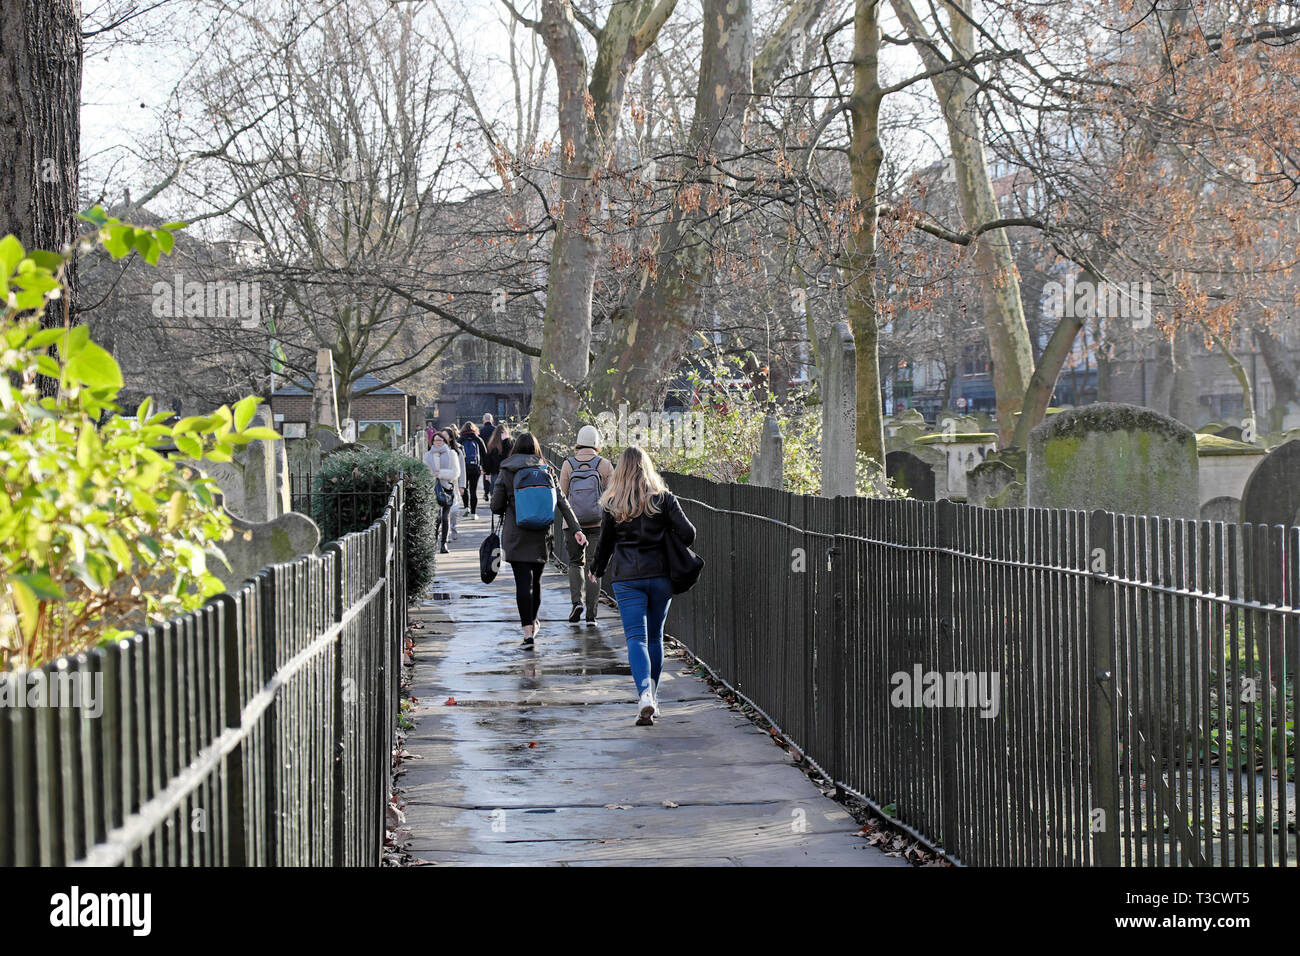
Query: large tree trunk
[
  {"x": 648, "y": 335},
  {"x": 859, "y": 266},
  {"x": 1283, "y": 373},
  {"x": 1004, "y": 317},
  {"x": 40, "y": 127},
  {"x": 588, "y": 113}
]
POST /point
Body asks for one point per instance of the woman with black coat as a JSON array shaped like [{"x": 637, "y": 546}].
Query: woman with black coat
[
  {"x": 524, "y": 550},
  {"x": 640, "y": 512},
  {"x": 498, "y": 450}
]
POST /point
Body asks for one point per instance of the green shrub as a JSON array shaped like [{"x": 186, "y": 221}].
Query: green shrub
[
  {"x": 100, "y": 532},
  {"x": 351, "y": 490}
]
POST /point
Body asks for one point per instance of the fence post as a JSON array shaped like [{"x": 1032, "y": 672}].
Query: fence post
[
  {"x": 232, "y": 771},
  {"x": 333, "y": 553},
  {"x": 945, "y": 520},
  {"x": 1103, "y": 745}
]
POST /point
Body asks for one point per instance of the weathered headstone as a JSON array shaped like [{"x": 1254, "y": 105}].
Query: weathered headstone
[
  {"x": 839, "y": 413},
  {"x": 1223, "y": 508},
  {"x": 767, "y": 467},
  {"x": 960, "y": 451},
  {"x": 1225, "y": 466},
  {"x": 987, "y": 480},
  {"x": 912, "y": 474},
  {"x": 1272, "y": 497},
  {"x": 261, "y": 482},
  {"x": 325, "y": 410},
  {"x": 256, "y": 544},
  {"x": 1272, "y": 492},
  {"x": 1120, "y": 458}
]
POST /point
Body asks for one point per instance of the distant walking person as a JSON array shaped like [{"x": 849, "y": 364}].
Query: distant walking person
[
  {"x": 485, "y": 430},
  {"x": 583, "y": 480},
  {"x": 498, "y": 450},
  {"x": 640, "y": 512},
  {"x": 457, "y": 504},
  {"x": 526, "y": 496},
  {"x": 445, "y": 465},
  {"x": 474, "y": 450}
]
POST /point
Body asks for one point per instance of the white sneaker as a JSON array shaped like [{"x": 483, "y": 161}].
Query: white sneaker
[
  {"x": 646, "y": 708},
  {"x": 654, "y": 693}
]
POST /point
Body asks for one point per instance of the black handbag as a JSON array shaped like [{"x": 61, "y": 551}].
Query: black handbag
[
  {"x": 489, "y": 555},
  {"x": 684, "y": 565},
  {"x": 442, "y": 494}
]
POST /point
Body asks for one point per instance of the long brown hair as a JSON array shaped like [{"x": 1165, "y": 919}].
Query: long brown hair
[
  {"x": 633, "y": 486},
  {"x": 500, "y": 435},
  {"x": 527, "y": 444}
]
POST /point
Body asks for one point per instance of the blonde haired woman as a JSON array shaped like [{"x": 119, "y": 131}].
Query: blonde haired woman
[{"x": 639, "y": 512}]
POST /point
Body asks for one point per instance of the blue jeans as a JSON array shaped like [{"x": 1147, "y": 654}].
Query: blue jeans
[{"x": 643, "y": 606}]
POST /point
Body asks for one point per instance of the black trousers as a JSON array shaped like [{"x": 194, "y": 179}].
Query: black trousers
[
  {"x": 472, "y": 474},
  {"x": 528, "y": 588}
]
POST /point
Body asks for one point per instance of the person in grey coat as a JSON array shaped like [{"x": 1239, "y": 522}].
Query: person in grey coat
[{"x": 527, "y": 551}]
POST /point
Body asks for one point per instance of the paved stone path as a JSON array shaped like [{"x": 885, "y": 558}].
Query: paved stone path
[{"x": 539, "y": 762}]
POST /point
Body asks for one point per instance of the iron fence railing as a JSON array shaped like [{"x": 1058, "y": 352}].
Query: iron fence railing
[
  {"x": 257, "y": 730},
  {"x": 1020, "y": 686}
]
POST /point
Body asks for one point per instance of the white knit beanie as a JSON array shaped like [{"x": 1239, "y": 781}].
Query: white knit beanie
[{"x": 588, "y": 437}]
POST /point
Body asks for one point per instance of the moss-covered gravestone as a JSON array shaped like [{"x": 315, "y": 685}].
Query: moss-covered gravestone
[{"x": 1120, "y": 458}]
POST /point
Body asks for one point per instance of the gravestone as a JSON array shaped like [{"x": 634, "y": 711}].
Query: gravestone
[
  {"x": 767, "y": 467},
  {"x": 912, "y": 474},
  {"x": 987, "y": 480},
  {"x": 255, "y": 544},
  {"x": 1223, "y": 508},
  {"x": 261, "y": 480},
  {"x": 1120, "y": 458},
  {"x": 839, "y": 413},
  {"x": 1272, "y": 492},
  {"x": 324, "y": 400},
  {"x": 954, "y": 454},
  {"x": 1225, "y": 466},
  {"x": 1272, "y": 497}
]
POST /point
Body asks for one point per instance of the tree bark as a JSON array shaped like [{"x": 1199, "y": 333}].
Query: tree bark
[
  {"x": 1004, "y": 316},
  {"x": 1282, "y": 371},
  {"x": 588, "y": 115},
  {"x": 859, "y": 265},
  {"x": 40, "y": 129},
  {"x": 648, "y": 335}
]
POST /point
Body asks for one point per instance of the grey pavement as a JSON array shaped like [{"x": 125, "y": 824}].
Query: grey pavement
[{"x": 539, "y": 761}]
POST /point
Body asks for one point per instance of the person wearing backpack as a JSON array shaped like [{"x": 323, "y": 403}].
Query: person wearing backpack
[
  {"x": 474, "y": 451},
  {"x": 526, "y": 495},
  {"x": 583, "y": 479},
  {"x": 640, "y": 514}
]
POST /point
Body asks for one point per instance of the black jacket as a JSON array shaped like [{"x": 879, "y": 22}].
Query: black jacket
[
  {"x": 637, "y": 546},
  {"x": 491, "y": 462}
]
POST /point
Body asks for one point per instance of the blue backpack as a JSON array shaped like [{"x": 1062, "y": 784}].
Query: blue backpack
[
  {"x": 471, "y": 451},
  {"x": 534, "y": 498}
]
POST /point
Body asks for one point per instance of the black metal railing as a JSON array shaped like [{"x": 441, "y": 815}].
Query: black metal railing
[
  {"x": 1143, "y": 667},
  {"x": 257, "y": 730}
]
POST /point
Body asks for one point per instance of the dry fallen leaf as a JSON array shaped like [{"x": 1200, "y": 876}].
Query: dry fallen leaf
[
  {"x": 670, "y": 805},
  {"x": 449, "y": 702},
  {"x": 617, "y": 806}
]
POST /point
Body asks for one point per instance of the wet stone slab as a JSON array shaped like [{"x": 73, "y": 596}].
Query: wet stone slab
[{"x": 538, "y": 762}]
